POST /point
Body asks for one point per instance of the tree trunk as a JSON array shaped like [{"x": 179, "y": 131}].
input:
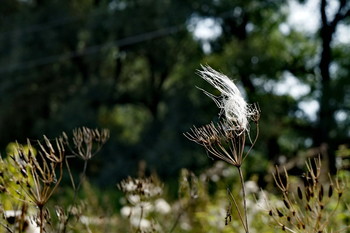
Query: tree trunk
[{"x": 326, "y": 113}]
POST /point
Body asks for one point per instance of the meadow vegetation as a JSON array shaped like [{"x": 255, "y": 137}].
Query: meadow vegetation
[{"x": 219, "y": 199}]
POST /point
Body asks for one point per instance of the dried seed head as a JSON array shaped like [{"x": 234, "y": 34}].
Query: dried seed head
[
  {"x": 307, "y": 194},
  {"x": 270, "y": 212},
  {"x": 308, "y": 207},
  {"x": 300, "y": 194},
  {"x": 228, "y": 217},
  {"x": 279, "y": 213},
  {"x": 87, "y": 142},
  {"x": 320, "y": 193},
  {"x": 286, "y": 203},
  {"x": 232, "y": 105},
  {"x": 330, "y": 191}
]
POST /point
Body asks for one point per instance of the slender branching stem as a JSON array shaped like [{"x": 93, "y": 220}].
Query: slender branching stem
[
  {"x": 69, "y": 171},
  {"x": 253, "y": 143},
  {"x": 76, "y": 190}
]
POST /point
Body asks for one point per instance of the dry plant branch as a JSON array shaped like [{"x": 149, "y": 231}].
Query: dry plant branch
[
  {"x": 309, "y": 208},
  {"x": 226, "y": 140},
  {"x": 85, "y": 144},
  {"x": 40, "y": 173}
]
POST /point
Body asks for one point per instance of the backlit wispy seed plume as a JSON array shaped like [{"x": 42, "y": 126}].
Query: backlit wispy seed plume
[
  {"x": 226, "y": 140},
  {"x": 231, "y": 103}
]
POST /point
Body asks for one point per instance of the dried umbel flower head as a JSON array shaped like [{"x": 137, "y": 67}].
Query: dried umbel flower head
[
  {"x": 36, "y": 174},
  {"x": 226, "y": 139},
  {"x": 142, "y": 188},
  {"x": 220, "y": 141},
  {"x": 231, "y": 103},
  {"x": 87, "y": 142},
  {"x": 39, "y": 172}
]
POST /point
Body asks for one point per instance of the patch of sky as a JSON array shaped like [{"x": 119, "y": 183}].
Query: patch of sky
[{"x": 205, "y": 30}]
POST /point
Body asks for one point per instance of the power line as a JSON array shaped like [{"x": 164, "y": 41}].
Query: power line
[
  {"x": 89, "y": 50},
  {"x": 93, "y": 49},
  {"x": 45, "y": 26}
]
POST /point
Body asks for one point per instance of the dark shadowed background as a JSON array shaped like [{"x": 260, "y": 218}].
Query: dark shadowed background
[{"x": 130, "y": 66}]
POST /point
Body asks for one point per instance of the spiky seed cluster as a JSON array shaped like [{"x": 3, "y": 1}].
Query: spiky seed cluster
[
  {"x": 87, "y": 142},
  {"x": 219, "y": 141},
  {"x": 39, "y": 173},
  {"x": 230, "y": 102},
  {"x": 143, "y": 188},
  {"x": 36, "y": 174},
  {"x": 306, "y": 211},
  {"x": 226, "y": 139},
  {"x": 33, "y": 174}
]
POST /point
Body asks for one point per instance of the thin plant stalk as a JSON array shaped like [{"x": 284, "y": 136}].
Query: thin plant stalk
[
  {"x": 41, "y": 217},
  {"x": 253, "y": 143},
  {"x": 237, "y": 208},
  {"x": 76, "y": 190},
  {"x": 246, "y": 227}
]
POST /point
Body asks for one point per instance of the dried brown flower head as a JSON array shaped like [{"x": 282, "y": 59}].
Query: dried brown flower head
[
  {"x": 87, "y": 142},
  {"x": 220, "y": 141}
]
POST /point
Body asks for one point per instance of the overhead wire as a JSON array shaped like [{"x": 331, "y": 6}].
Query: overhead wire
[
  {"x": 44, "y": 26},
  {"x": 89, "y": 50},
  {"x": 93, "y": 49}
]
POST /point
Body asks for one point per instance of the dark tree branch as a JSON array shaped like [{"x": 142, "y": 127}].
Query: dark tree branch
[
  {"x": 339, "y": 16},
  {"x": 323, "y": 12}
]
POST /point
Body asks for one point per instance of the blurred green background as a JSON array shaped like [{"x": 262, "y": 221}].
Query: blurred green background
[{"x": 130, "y": 66}]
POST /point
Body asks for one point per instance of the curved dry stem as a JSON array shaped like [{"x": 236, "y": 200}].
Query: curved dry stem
[
  {"x": 237, "y": 208},
  {"x": 253, "y": 143}
]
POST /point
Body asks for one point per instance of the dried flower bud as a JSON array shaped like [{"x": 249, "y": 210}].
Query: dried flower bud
[
  {"x": 286, "y": 203},
  {"x": 320, "y": 194},
  {"x": 330, "y": 191},
  {"x": 279, "y": 213},
  {"x": 270, "y": 212},
  {"x": 300, "y": 194}
]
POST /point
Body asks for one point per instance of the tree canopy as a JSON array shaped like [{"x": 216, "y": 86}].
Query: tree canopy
[{"x": 130, "y": 66}]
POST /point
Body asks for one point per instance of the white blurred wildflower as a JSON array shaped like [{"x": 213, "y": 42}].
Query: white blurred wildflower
[
  {"x": 30, "y": 225},
  {"x": 142, "y": 224},
  {"x": 231, "y": 103},
  {"x": 161, "y": 206},
  {"x": 134, "y": 199},
  {"x": 251, "y": 187},
  {"x": 126, "y": 211}
]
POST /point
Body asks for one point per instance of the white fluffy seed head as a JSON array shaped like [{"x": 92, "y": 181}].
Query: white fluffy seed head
[{"x": 231, "y": 103}]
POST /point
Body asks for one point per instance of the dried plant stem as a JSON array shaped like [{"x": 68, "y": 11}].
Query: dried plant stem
[
  {"x": 176, "y": 222},
  {"x": 237, "y": 208},
  {"x": 41, "y": 218},
  {"x": 244, "y": 199},
  {"x": 76, "y": 190},
  {"x": 253, "y": 142},
  {"x": 178, "y": 217}
]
